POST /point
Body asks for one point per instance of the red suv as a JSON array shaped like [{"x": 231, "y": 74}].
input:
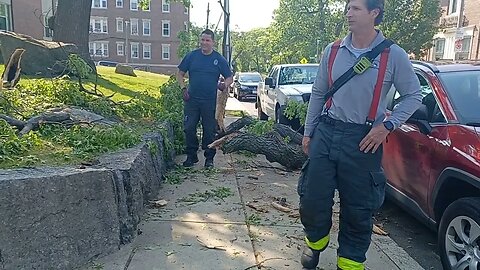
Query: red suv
[{"x": 432, "y": 162}]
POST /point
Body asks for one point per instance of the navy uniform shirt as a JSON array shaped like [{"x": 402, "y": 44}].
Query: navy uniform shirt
[{"x": 203, "y": 72}]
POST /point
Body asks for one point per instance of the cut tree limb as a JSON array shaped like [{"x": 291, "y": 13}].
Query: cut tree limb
[
  {"x": 272, "y": 145},
  {"x": 34, "y": 122},
  {"x": 11, "y": 74}
]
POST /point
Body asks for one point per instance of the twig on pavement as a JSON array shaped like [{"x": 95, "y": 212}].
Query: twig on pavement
[
  {"x": 210, "y": 247},
  {"x": 262, "y": 262}
]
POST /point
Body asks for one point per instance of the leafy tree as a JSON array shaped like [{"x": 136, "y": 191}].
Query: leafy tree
[{"x": 412, "y": 24}]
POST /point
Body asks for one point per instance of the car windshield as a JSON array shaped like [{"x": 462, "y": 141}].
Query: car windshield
[
  {"x": 298, "y": 75},
  {"x": 254, "y": 78},
  {"x": 463, "y": 88}
]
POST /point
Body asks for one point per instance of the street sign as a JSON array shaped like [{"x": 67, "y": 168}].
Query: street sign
[
  {"x": 303, "y": 61},
  {"x": 459, "y": 33},
  {"x": 458, "y": 45}
]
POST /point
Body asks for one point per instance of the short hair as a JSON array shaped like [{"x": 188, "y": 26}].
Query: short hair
[
  {"x": 380, "y": 4},
  {"x": 209, "y": 32},
  {"x": 373, "y": 4}
]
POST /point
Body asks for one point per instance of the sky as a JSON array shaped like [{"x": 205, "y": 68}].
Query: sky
[{"x": 244, "y": 14}]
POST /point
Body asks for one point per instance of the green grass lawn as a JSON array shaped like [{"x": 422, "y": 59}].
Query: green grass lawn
[
  {"x": 56, "y": 149},
  {"x": 126, "y": 87}
]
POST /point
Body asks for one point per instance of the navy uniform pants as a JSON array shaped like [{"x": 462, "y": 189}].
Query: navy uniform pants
[
  {"x": 336, "y": 162},
  {"x": 194, "y": 110}
]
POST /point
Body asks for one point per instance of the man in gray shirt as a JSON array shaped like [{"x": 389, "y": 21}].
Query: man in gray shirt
[{"x": 344, "y": 140}]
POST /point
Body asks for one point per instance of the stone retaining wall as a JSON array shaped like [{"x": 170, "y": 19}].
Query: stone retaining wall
[{"x": 60, "y": 218}]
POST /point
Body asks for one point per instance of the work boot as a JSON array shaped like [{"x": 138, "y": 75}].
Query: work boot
[
  {"x": 191, "y": 160},
  {"x": 310, "y": 258},
  {"x": 209, "y": 163}
]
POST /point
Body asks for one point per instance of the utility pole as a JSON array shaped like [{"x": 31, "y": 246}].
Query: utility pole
[
  {"x": 459, "y": 27},
  {"x": 208, "y": 14},
  {"x": 227, "y": 53}
]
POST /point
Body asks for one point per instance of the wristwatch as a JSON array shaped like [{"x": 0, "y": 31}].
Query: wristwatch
[{"x": 388, "y": 125}]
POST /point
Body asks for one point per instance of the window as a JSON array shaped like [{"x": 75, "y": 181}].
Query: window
[
  {"x": 165, "y": 28},
  {"x": 120, "y": 49},
  {"x": 98, "y": 48},
  {"x": 146, "y": 27},
  {"x": 134, "y": 49},
  {"x": 133, "y": 4},
  {"x": 439, "y": 48},
  {"x": 99, "y": 4},
  {"x": 5, "y": 17},
  {"x": 165, "y": 51},
  {"x": 147, "y": 51},
  {"x": 185, "y": 10},
  {"x": 185, "y": 24},
  {"x": 119, "y": 24},
  {"x": 166, "y": 6},
  {"x": 134, "y": 27},
  {"x": 48, "y": 33},
  {"x": 98, "y": 25},
  {"x": 119, "y": 3},
  {"x": 453, "y": 6},
  {"x": 463, "y": 55}
]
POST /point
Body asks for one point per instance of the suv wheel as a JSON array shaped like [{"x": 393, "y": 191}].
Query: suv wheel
[
  {"x": 459, "y": 235},
  {"x": 280, "y": 118}
]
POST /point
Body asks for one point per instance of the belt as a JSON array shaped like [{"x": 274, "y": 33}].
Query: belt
[{"x": 343, "y": 125}]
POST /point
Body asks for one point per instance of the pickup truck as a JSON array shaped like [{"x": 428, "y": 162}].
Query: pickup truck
[{"x": 283, "y": 83}]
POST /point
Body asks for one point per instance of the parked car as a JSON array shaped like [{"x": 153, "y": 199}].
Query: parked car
[
  {"x": 245, "y": 85},
  {"x": 284, "y": 83},
  {"x": 432, "y": 162}
]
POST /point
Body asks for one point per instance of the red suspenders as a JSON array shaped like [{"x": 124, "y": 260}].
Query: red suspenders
[{"x": 378, "y": 86}]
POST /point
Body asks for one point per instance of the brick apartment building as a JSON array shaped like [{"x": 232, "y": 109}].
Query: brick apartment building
[
  {"x": 122, "y": 32},
  {"x": 464, "y": 34}
]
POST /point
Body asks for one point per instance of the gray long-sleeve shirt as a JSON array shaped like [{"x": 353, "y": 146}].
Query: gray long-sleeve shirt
[{"x": 351, "y": 103}]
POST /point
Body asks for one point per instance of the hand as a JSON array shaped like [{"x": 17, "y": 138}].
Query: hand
[
  {"x": 374, "y": 139},
  {"x": 186, "y": 95},
  {"x": 305, "y": 144}
]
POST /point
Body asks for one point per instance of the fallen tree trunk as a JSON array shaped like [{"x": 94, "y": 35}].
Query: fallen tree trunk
[
  {"x": 272, "y": 145},
  {"x": 282, "y": 144}
]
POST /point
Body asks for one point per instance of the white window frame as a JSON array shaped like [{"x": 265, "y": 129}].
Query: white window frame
[
  {"x": 102, "y": 4},
  {"x": 133, "y": 22},
  {"x": 103, "y": 25},
  {"x": 119, "y": 23},
  {"x": 144, "y": 50},
  {"x": 136, "y": 4},
  {"x": 165, "y": 6},
  {"x": 6, "y": 9},
  {"x": 165, "y": 49},
  {"x": 186, "y": 10},
  {"x": 166, "y": 22},
  {"x": 95, "y": 46},
  {"x": 451, "y": 5},
  {"x": 120, "y": 52},
  {"x": 134, "y": 45},
  {"x": 185, "y": 24},
  {"x": 117, "y": 3},
  {"x": 146, "y": 22}
]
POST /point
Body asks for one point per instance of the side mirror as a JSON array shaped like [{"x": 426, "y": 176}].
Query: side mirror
[
  {"x": 420, "y": 119},
  {"x": 269, "y": 82},
  {"x": 235, "y": 80}
]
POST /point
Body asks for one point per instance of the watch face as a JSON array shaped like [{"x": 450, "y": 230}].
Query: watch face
[{"x": 388, "y": 125}]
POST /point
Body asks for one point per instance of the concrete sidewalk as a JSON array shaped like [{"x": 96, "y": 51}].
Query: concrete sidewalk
[{"x": 224, "y": 219}]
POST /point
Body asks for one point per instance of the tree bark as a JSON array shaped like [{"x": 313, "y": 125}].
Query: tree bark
[
  {"x": 72, "y": 25},
  {"x": 272, "y": 145}
]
